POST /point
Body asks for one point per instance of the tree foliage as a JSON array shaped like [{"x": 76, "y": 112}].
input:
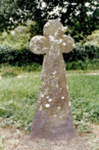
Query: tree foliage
[{"x": 81, "y": 17}]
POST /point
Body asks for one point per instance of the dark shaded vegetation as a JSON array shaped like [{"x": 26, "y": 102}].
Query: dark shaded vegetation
[{"x": 82, "y": 57}]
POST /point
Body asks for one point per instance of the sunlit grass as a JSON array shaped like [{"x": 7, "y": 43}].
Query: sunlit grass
[{"x": 18, "y": 97}]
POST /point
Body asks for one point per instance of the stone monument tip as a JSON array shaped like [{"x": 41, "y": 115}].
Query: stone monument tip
[{"x": 53, "y": 28}]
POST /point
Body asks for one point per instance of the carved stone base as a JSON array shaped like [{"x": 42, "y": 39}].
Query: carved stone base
[{"x": 42, "y": 129}]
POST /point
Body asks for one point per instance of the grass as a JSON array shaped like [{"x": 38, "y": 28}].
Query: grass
[
  {"x": 87, "y": 87},
  {"x": 24, "y": 70},
  {"x": 85, "y": 97},
  {"x": 18, "y": 98},
  {"x": 81, "y": 72},
  {"x": 8, "y": 70}
]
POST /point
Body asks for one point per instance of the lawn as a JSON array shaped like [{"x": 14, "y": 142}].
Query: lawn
[{"x": 18, "y": 96}]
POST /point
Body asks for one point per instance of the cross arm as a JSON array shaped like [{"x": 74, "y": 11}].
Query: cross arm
[
  {"x": 38, "y": 45},
  {"x": 68, "y": 44}
]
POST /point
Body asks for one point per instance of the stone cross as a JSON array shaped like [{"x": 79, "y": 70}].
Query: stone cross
[{"x": 53, "y": 119}]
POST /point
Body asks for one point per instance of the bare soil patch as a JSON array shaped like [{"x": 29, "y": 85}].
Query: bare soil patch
[{"x": 14, "y": 139}]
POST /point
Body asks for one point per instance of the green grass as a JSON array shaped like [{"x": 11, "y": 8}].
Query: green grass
[
  {"x": 84, "y": 96},
  {"x": 81, "y": 72},
  {"x": 9, "y": 70},
  {"x": 84, "y": 86},
  {"x": 18, "y": 97},
  {"x": 24, "y": 70}
]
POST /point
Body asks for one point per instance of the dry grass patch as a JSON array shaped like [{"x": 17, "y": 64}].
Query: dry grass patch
[{"x": 12, "y": 139}]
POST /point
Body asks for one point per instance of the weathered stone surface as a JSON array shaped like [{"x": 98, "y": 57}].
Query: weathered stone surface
[{"x": 53, "y": 119}]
